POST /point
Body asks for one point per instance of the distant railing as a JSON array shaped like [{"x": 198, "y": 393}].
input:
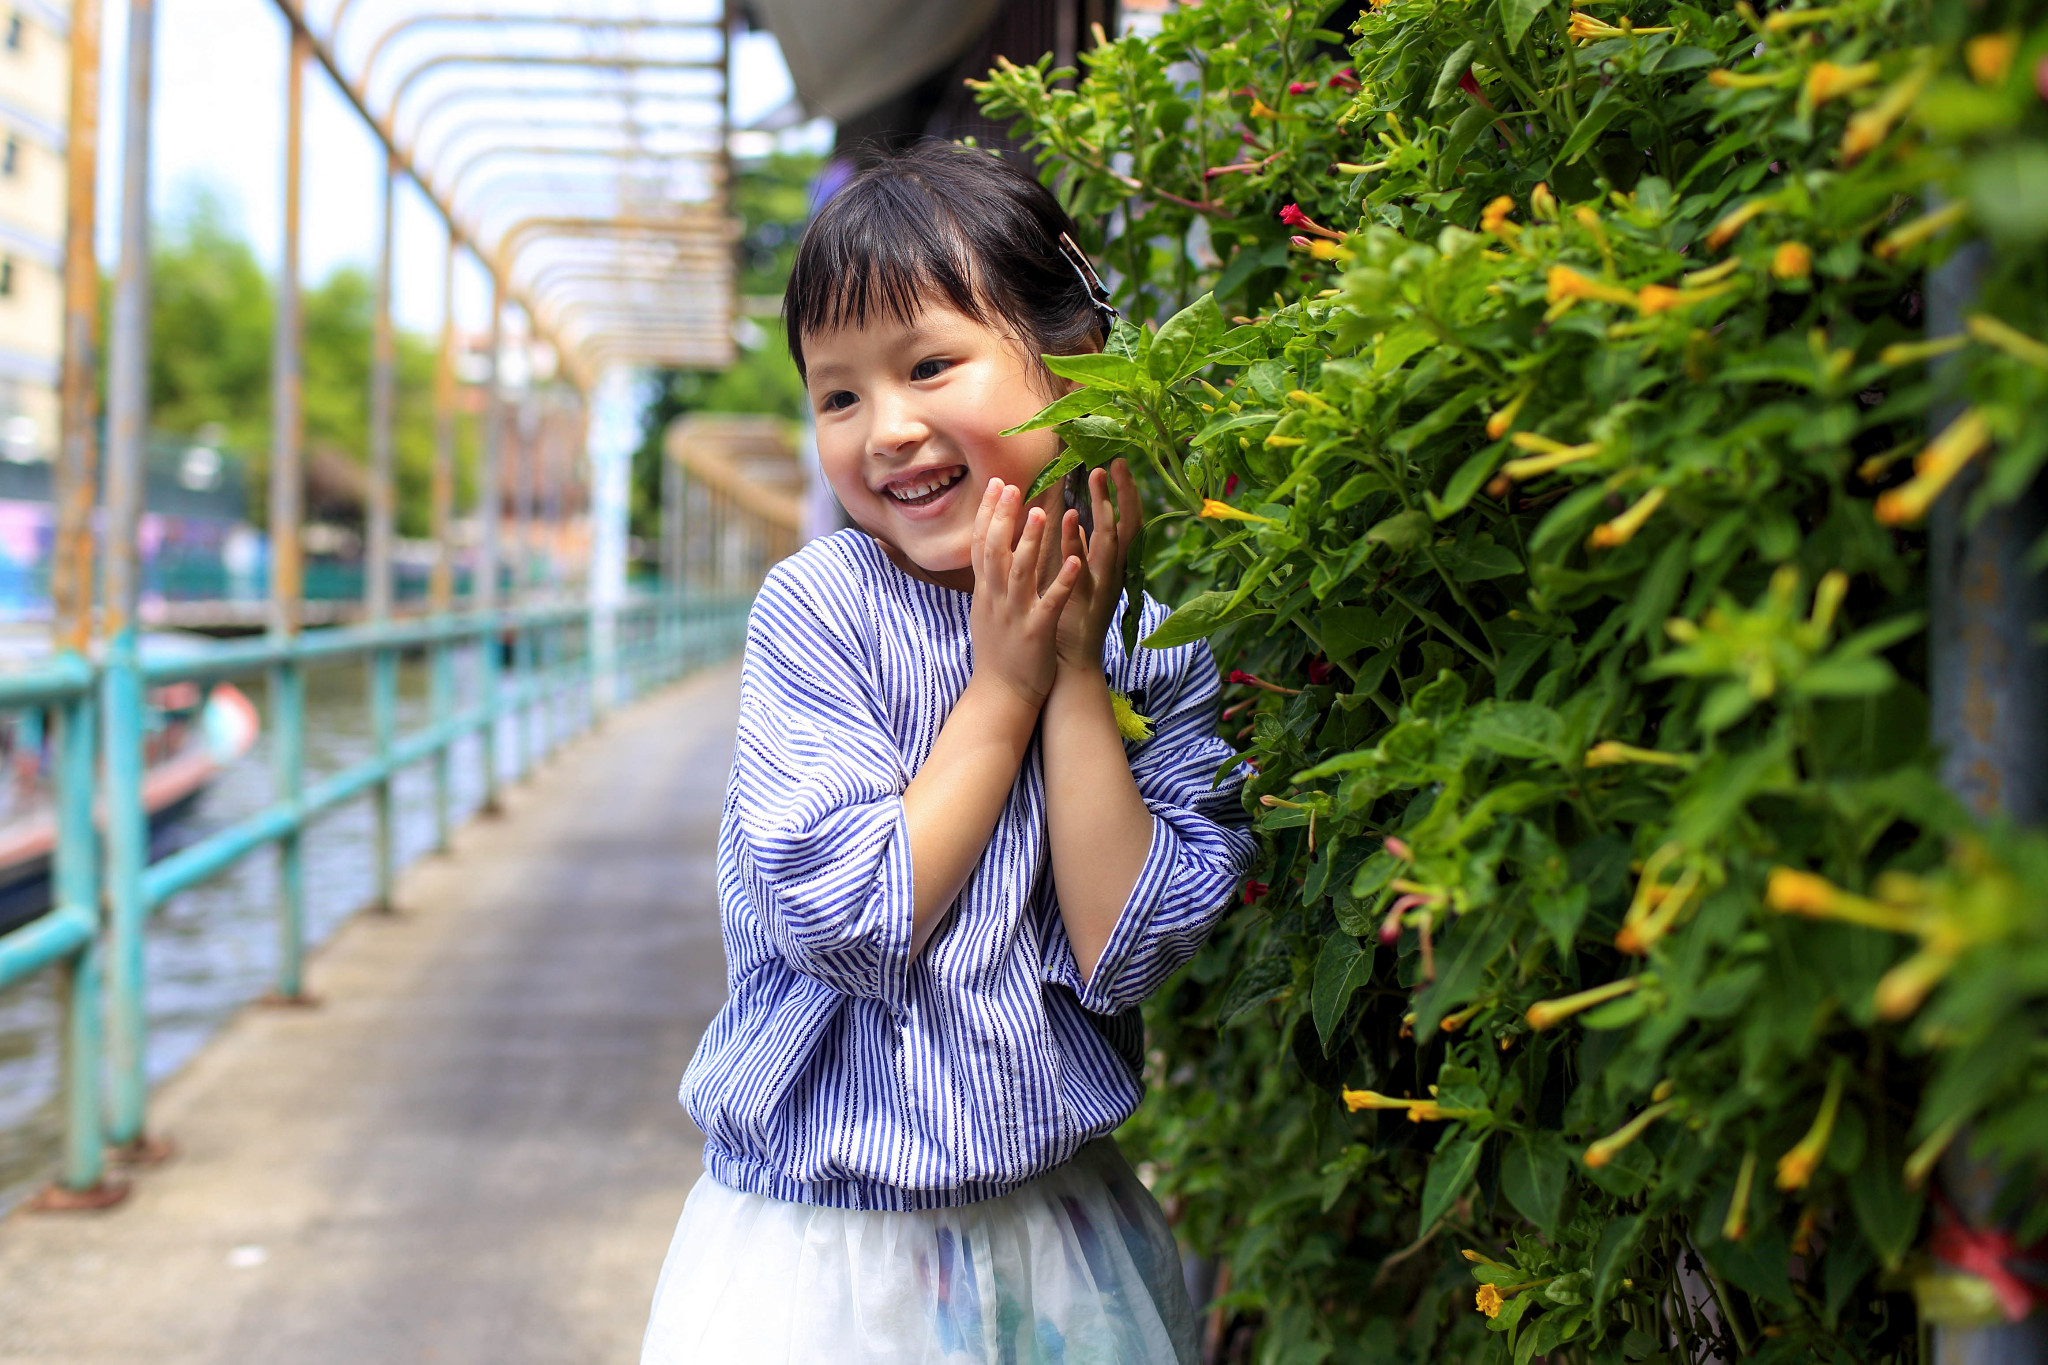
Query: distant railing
[{"x": 659, "y": 638}]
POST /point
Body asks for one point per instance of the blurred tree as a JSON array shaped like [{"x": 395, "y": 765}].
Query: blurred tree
[{"x": 212, "y": 312}]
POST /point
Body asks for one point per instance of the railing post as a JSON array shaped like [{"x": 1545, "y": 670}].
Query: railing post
[
  {"x": 121, "y": 680},
  {"x": 441, "y": 588},
  {"x": 377, "y": 589},
  {"x": 74, "y": 879},
  {"x": 1989, "y": 702},
  {"x": 287, "y": 573},
  {"x": 489, "y": 510}
]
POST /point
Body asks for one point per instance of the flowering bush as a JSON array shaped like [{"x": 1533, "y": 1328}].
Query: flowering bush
[{"x": 1544, "y": 421}]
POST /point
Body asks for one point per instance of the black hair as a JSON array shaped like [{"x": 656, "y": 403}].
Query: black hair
[{"x": 946, "y": 221}]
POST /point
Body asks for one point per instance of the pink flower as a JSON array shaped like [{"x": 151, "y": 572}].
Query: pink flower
[
  {"x": 1293, "y": 216},
  {"x": 1301, "y": 87},
  {"x": 1319, "y": 670},
  {"x": 1230, "y": 485},
  {"x": 1253, "y": 891},
  {"x": 1398, "y": 848},
  {"x": 2041, "y": 78},
  {"x": 1344, "y": 80},
  {"x": 1301, "y": 242}
]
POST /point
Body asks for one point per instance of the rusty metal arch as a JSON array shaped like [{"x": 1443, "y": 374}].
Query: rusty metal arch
[
  {"x": 448, "y": 18},
  {"x": 462, "y": 94}
]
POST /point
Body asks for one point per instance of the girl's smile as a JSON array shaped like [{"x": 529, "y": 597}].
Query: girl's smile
[{"x": 910, "y": 416}]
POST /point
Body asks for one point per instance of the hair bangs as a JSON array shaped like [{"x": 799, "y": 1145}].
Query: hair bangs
[{"x": 885, "y": 253}]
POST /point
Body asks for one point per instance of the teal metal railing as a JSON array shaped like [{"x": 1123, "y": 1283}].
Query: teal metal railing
[{"x": 553, "y": 668}]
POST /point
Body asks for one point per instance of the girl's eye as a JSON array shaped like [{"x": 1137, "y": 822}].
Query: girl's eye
[
  {"x": 928, "y": 369},
  {"x": 837, "y": 400}
]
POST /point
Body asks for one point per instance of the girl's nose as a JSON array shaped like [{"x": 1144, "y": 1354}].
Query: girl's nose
[{"x": 897, "y": 426}]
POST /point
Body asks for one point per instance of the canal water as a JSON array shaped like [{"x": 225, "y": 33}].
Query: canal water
[{"x": 214, "y": 948}]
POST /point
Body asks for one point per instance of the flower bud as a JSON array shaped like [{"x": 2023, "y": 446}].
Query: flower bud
[{"x": 1792, "y": 261}]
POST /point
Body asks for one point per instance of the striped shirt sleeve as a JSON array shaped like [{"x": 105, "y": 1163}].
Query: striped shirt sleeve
[
  {"x": 815, "y": 810},
  {"x": 1200, "y": 846}
]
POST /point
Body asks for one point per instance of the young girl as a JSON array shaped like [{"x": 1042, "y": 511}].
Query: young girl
[{"x": 946, "y": 879}]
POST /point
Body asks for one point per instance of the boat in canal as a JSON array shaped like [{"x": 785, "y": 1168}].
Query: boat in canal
[{"x": 193, "y": 733}]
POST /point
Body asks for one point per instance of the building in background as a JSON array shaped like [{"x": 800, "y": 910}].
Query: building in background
[{"x": 35, "y": 69}]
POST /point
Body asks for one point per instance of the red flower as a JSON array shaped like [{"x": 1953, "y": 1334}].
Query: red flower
[
  {"x": 1301, "y": 87},
  {"x": 1238, "y": 675},
  {"x": 2041, "y": 78},
  {"x": 1254, "y": 890},
  {"x": 1344, "y": 80},
  {"x": 1230, "y": 485},
  {"x": 1319, "y": 670},
  {"x": 1293, "y": 216}
]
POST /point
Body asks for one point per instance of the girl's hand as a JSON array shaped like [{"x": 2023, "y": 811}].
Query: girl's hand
[
  {"x": 1085, "y": 623},
  {"x": 1012, "y": 623}
]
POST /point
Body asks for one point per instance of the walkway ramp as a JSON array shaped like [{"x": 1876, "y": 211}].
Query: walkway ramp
[{"x": 471, "y": 1152}]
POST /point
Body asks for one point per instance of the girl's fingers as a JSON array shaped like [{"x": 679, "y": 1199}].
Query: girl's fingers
[
  {"x": 1002, "y": 534},
  {"x": 1109, "y": 539},
  {"x": 1071, "y": 540},
  {"x": 1054, "y": 599},
  {"x": 1024, "y": 564},
  {"x": 982, "y": 514}
]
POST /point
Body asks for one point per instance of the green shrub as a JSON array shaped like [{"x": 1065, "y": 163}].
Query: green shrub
[{"x": 1617, "y": 961}]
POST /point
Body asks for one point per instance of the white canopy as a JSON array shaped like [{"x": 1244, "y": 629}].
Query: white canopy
[{"x": 846, "y": 56}]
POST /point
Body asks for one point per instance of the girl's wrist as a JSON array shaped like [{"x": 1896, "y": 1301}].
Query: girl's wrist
[{"x": 1008, "y": 706}]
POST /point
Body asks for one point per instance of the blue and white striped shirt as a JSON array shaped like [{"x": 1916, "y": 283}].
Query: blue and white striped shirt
[{"x": 843, "y": 1071}]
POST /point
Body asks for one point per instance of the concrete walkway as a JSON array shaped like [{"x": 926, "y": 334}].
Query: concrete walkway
[{"x": 472, "y": 1152}]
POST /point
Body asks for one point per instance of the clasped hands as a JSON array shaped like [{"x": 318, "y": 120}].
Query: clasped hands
[{"x": 1043, "y": 601}]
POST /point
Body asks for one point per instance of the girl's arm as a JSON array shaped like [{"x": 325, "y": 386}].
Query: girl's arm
[
  {"x": 1099, "y": 827},
  {"x": 952, "y": 805}
]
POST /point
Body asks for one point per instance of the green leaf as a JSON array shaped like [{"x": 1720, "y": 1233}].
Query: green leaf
[
  {"x": 1517, "y": 15},
  {"x": 1533, "y": 1175},
  {"x": 2008, "y": 189},
  {"x": 1610, "y": 1258},
  {"x": 1402, "y": 532},
  {"x": 1592, "y": 123},
  {"x": 1341, "y": 968},
  {"x": 1134, "y": 590},
  {"x": 1248, "y": 261},
  {"x": 1450, "y": 1171},
  {"x": 1192, "y": 620},
  {"x": 1838, "y": 677},
  {"x": 1182, "y": 346},
  {"x": 1887, "y": 1212},
  {"x": 1080, "y": 403},
  {"x": 1455, "y": 66},
  {"x": 1519, "y": 729},
  {"x": 1067, "y": 463},
  {"x": 1098, "y": 370},
  {"x": 1467, "y": 481}
]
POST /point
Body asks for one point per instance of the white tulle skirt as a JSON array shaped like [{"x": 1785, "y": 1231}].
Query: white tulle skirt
[{"x": 1076, "y": 1268}]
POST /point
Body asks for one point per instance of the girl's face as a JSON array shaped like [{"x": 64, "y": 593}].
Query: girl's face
[{"x": 908, "y": 416}]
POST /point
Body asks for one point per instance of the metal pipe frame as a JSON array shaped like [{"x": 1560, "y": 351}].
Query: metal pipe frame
[
  {"x": 127, "y": 831},
  {"x": 498, "y": 151},
  {"x": 447, "y": 19},
  {"x": 529, "y": 95},
  {"x": 442, "y": 61}
]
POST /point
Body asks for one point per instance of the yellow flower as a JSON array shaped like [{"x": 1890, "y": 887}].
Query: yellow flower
[
  {"x": 1934, "y": 469},
  {"x": 1216, "y": 510},
  {"x": 1790, "y": 891},
  {"x": 1827, "y": 80},
  {"x": 1586, "y": 28},
  {"x": 1498, "y": 424},
  {"x": 1260, "y": 109},
  {"x": 1542, "y": 203},
  {"x": 1490, "y": 1300},
  {"x": 1129, "y": 723},
  {"x": 1549, "y": 455},
  {"x": 1546, "y": 1013},
  {"x": 1989, "y": 56},
  {"x": 1796, "y": 1167},
  {"x": 1602, "y": 1152},
  {"x": 2015, "y": 343},
  {"x": 1870, "y": 127},
  {"x": 1792, "y": 261},
  {"x": 1900, "y": 990},
  {"x": 1610, "y": 752},
  {"x": 1735, "y": 1226},
  {"x": 1921, "y": 229},
  {"x": 1567, "y": 283},
  {"x": 1733, "y": 222},
  {"x": 1495, "y": 215},
  {"x": 1355, "y": 1100},
  {"x": 1622, "y": 529}
]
